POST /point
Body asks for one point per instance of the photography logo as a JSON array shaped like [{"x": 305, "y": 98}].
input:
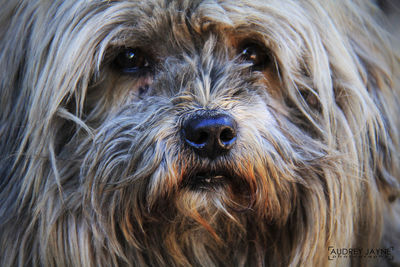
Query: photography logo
[{"x": 369, "y": 253}]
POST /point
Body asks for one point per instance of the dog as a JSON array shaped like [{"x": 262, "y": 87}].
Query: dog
[{"x": 198, "y": 133}]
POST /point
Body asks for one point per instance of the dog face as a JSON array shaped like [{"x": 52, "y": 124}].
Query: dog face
[
  {"x": 195, "y": 119},
  {"x": 197, "y": 132}
]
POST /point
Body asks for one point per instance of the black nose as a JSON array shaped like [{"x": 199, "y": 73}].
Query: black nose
[{"x": 210, "y": 134}]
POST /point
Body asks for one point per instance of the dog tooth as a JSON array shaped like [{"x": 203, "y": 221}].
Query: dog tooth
[{"x": 208, "y": 180}]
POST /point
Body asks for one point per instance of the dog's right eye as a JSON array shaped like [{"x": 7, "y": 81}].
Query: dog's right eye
[{"x": 132, "y": 61}]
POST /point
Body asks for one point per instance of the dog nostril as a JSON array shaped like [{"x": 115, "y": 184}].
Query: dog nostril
[
  {"x": 209, "y": 133},
  {"x": 197, "y": 138},
  {"x": 227, "y": 136}
]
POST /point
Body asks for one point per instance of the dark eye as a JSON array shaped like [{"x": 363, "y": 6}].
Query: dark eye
[
  {"x": 256, "y": 55},
  {"x": 132, "y": 61}
]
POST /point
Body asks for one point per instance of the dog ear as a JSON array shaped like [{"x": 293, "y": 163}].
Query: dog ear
[
  {"x": 378, "y": 70},
  {"x": 14, "y": 91},
  {"x": 365, "y": 85}
]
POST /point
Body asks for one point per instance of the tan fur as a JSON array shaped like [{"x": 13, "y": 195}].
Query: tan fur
[{"x": 93, "y": 173}]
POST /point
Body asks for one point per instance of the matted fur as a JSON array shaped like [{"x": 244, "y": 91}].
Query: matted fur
[{"x": 93, "y": 174}]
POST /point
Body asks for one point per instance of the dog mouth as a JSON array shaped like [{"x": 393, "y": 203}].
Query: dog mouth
[{"x": 206, "y": 180}]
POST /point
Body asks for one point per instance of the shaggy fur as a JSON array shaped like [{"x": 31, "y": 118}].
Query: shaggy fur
[{"x": 94, "y": 171}]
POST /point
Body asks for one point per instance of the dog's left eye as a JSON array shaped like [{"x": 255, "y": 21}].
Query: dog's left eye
[
  {"x": 255, "y": 54},
  {"x": 132, "y": 61}
]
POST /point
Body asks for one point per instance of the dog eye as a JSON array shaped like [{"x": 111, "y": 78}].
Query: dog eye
[
  {"x": 132, "y": 61},
  {"x": 256, "y": 55}
]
